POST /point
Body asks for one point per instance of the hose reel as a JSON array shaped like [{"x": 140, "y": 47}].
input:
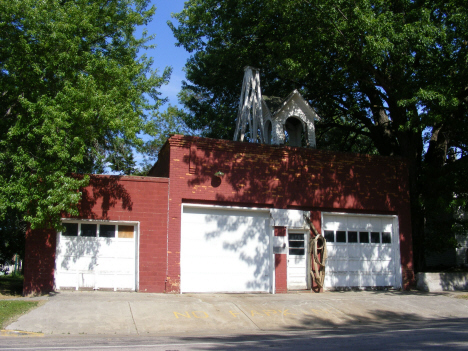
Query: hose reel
[
  {"x": 318, "y": 255},
  {"x": 318, "y": 258}
]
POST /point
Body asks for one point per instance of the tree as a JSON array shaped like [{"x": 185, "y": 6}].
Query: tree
[
  {"x": 385, "y": 76},
  {"x": 74, "y": 97},
  {"x": 12, "y": 237}
]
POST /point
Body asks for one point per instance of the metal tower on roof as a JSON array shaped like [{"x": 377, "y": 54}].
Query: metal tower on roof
[{"x": 250, "y": 108}]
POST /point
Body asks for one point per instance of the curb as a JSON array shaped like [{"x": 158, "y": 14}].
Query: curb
[{"x": 19, "y": 333}]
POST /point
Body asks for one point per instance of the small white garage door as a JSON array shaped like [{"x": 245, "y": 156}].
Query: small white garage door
[
  {"x": 362, "y": 251},
  {"x": 96, "y": 256},
  {"x": 224, "y": 250}
]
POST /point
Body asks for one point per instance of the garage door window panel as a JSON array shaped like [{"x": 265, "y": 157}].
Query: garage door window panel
[
  {"x": 106, "y": 231},
  {"x": 89, "y": 230},
  {"x": 352, "y": 237},
  {"x": 330, "y": 236},
  {"x": 126, "y": 232},
  {"x": 375, "y": 237},
  {"x": 364, "y": 237},
  {"x": 386, "y": 238},
  {"x": 71, "y": 229},
  {"x": 341, "y": 236}
]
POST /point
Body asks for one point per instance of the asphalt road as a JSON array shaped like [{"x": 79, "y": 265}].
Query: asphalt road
[{"x": 451, "y": 335}]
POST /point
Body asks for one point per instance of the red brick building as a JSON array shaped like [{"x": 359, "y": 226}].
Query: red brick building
[{"x": 223, "y": 216}]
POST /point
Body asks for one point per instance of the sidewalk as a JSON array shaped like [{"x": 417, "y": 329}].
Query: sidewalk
[{"x": 121, "y": 313}]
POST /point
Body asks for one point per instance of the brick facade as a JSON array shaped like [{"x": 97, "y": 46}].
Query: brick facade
[
  {"x": 281, "y": 266},
  {"x": 281, "y": 273},
  {"x": 39, "y": 263},
  {"x": 137, "y": 199},
  {"x": 285, "y": 178},
  {"x": 221, "y": 172}
]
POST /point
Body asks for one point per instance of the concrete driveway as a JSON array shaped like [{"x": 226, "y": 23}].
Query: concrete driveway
[{"x": 123, "y": 313}]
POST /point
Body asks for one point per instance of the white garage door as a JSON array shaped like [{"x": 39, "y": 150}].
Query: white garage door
[
  {"x": 362, "y": 251},
  {"x": 96, "y": 256},
  {"x": 224, "y": 250}
]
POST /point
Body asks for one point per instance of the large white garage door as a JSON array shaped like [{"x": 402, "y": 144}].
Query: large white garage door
[
  {"x": 362, "y": 251},
  {"x": 96, "y": 256},
  {"x": 224, "y": 250}
]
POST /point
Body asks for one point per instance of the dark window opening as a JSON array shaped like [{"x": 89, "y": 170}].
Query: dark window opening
[
  {"x": 375, "y": 237},
  {"x": 294, "y": 133},
  {"x": 330, "y": 236},
  {"x": 88, "y": 229},
  {"x": 363, "y": 237},
  {"x": 71, "y": 229},
  {"x": 107, "y": 231},
  {"x": 352, "y": 237},
  {"x": 296, "y": 252},
  {"x": 340, "y": 236},
  {"x": 296, "y": 237},
  {"x": 268, "y": 132},
  {"x": 296, "y": 244},
  {"x": 386, "y": 238}
]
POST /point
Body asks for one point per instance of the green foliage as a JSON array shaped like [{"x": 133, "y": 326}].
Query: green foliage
[
  {"x": 12, "y": 237},
  {"x": 386, "y": 77},
  {"x": 74, "y": 97},
  {"x": 165, "y": 124}
]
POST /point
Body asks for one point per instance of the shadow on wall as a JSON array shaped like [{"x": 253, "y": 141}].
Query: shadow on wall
[
  {"x": 81, "y": 248},
  {"x": 454, "y": 281},
  {"x": 250, "y": 247},
  {"x": 39, "y": 261},
  {"x": 106, "y": 191},
  {"x": 287, "y": 177},
  {"x": 436, "y": 282}
]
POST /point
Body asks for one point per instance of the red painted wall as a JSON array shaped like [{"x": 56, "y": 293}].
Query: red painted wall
[
  {"x": 283, "y": 177},
  {"x": 281, "y": 266},
  {"x": 254, "y": 176},
  {"x": 281, "y": 273},
  {"x": 138, "y": 199},
  {"x": 39, "y": 263}
]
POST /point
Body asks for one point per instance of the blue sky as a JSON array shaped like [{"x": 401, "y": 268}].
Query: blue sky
[{"x": 166, "y": 53}]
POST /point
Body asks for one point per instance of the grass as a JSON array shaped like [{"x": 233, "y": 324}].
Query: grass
[
  {"x": 463, "y": 297},
  {"x": 10, "y": 310},
  {"x": 11, "y": 286}
]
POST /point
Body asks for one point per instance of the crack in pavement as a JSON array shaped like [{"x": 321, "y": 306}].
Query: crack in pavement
[{"x": 245, "y": 314}]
